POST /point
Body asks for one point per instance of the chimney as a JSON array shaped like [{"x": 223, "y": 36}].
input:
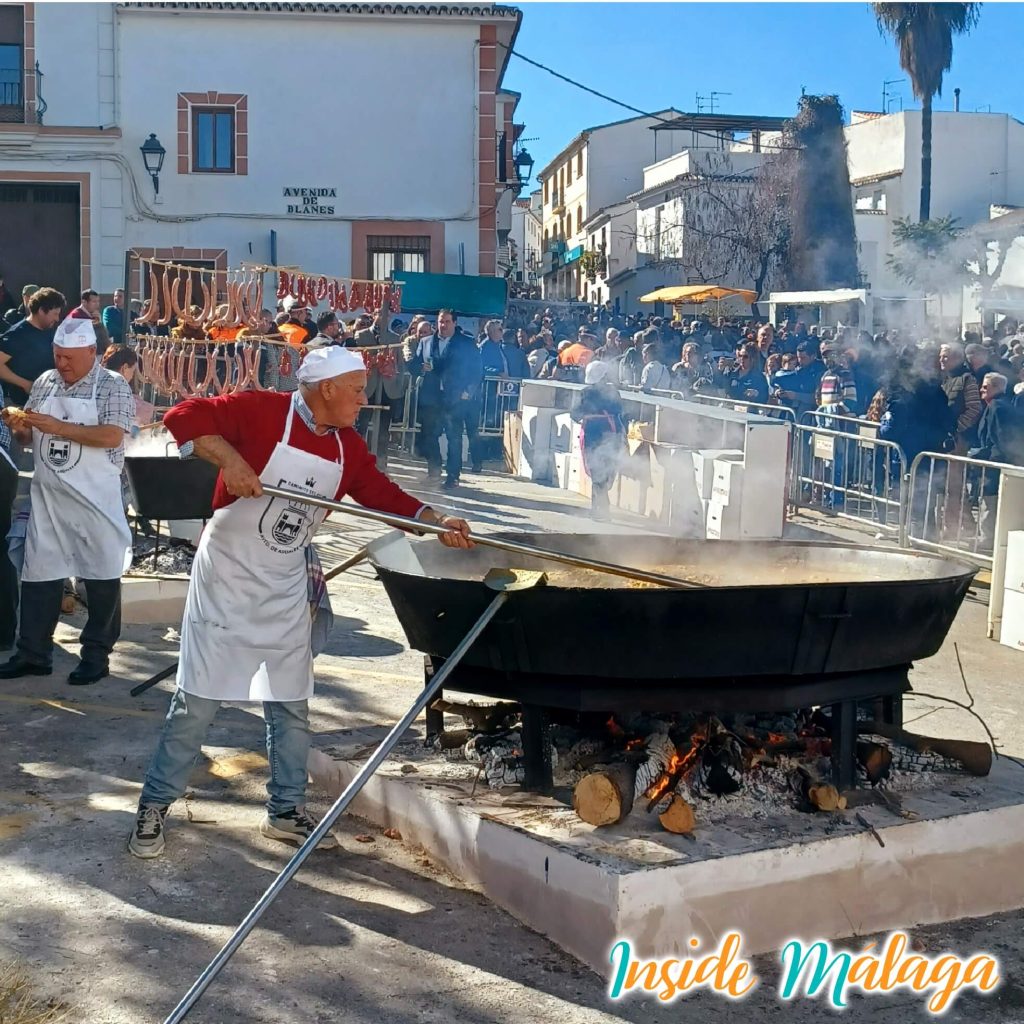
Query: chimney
[{"x": 956, "y": 99}]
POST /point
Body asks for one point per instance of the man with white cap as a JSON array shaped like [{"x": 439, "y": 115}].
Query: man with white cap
[
  {"x": 76, "y": 418},
  {"x": 246, "y": 629}
]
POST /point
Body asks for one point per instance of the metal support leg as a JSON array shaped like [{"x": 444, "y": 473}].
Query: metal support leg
[
  {"x": 892, "y": 710},
  {"x": 435, "y": 719},
  {"x": 537, "y": 749},
  {"x": 844, "y": 744}
]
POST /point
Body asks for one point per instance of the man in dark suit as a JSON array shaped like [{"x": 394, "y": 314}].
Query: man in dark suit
[{"x": 450, "y": 374}]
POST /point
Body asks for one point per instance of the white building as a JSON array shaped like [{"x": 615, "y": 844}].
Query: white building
[
  {"x": 319, "y": 135},
  {"x": 601, "y": 166},
  {"x": 977, "y": 162},
  {"x": 620, "y": 272},
  {"x": 527, "y": 239}
]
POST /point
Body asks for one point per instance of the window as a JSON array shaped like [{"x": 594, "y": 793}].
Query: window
[
  {"x": 387, "y": 254},
  {"x": 568, "y": 173},
  {"x": 213, "y": 140},
  {"x": 579, "y": 218},
  {"x": 10, "y": 75},
  {"x": 13, "y": 60},
  {"x": 579, "y": 164},
  {"x": 545, "y": 191}
]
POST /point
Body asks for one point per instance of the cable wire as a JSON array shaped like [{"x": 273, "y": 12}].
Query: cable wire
[{"x": 627, "y": 106}]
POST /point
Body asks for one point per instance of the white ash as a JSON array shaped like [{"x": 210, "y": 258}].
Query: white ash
[{"x": 171, "y": 560}]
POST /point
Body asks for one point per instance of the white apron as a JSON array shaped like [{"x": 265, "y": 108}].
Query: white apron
[
  {"x": 245, "y": 634},
  {"x": 77, "y": 525}
]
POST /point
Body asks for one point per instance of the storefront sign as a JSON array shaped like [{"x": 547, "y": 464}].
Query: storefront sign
[{"x": 310, "y": 201}]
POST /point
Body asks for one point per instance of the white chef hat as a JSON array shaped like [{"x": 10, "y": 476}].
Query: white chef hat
[
  {"x": 329, "y": 361},
  {"x": 75, "y": 333}
]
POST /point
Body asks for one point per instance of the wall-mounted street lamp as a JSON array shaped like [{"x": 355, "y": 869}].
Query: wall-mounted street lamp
[
  {"x": 524, "y": 165},
  {"x": 153, "y": 157}
]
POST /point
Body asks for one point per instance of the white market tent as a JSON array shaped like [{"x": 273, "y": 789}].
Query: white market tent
[{"x": 829, "y": 297}]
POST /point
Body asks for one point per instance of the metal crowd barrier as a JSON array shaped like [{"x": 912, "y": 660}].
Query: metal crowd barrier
[
  {"x": 777, "y": 412},
  {"x": 848, "y": 471},
  {"x": 499, "y": 395},
  {"x": 952, "y": 504}
]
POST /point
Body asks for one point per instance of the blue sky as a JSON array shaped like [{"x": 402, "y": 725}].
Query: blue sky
[{"x": 657, "y": 55}]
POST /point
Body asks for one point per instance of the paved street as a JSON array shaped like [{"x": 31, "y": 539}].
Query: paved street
[{"x": 371, "y": 931}]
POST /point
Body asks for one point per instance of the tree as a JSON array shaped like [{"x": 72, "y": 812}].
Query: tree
[
  {"x": 725, "y": 226},
  {"x": 924, "y": 34},
  {"x": 927, "y": 254},
  {"x": 823, "y": 243}
]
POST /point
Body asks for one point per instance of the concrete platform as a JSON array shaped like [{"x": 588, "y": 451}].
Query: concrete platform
[
  {"x": 153, "y": 599},
  {"x": 775, "y": 878}
]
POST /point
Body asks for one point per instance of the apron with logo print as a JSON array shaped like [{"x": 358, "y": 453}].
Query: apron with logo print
[
  {"x": 77, "y": 525},
  {"x": 245, "y": 634}
]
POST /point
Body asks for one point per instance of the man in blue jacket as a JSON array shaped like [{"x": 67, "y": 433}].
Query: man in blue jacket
[{"x": 450, "y": 369}]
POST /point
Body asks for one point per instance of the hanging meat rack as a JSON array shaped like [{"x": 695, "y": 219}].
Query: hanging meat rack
[{"x": 221, "y": 302}]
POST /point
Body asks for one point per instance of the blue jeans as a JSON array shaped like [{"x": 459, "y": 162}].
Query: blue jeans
[{"x": 182, "y": 736}]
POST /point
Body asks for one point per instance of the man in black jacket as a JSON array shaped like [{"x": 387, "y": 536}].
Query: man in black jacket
[{"x": 1000, "y": 439}]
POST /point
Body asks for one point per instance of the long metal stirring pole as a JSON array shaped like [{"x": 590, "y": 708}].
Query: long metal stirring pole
[
  {"x": 404, "y": 522},
  {"x": 181, "y": 1011}
]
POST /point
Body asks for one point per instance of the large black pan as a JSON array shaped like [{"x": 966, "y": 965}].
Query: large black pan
[
  {"x": 171, "y": 488},
  {"x": 772, "y": 609}
]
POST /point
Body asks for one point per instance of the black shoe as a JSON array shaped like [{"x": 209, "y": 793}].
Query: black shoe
[
  {"x": 449, "y": 485},
  {"x": 433, "y": 475},
  {"x": 85, "y": 674},
  {"x": 18, "y": 666},
  {"x": 477, "y": 468}
]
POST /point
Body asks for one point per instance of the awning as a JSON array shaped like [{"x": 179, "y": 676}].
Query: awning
[
  {"x": 695, "y": 294},
  {"x": 465, "y": 294},
  {"x": 826, "y": 297}
]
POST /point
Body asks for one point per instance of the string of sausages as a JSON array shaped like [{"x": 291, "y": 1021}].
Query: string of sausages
[
  {"x": 172, "y": 291},
  {"x": 341, "y": 296},
  {"x": 187, "y": 368}
]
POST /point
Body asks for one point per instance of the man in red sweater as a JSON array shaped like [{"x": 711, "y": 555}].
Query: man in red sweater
[{"x": 246, "y": 630}]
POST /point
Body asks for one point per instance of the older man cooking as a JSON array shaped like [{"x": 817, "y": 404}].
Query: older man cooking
[
  {"x": 246, "y": 629},
  {"x": 76, "y": 417}
]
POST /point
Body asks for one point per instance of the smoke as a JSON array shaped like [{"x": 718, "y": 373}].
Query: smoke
[{"x": 151, "y": 444}]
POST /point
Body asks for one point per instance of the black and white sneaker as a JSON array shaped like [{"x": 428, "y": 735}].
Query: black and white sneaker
[
  {"x": 294, "y": 826},
  {"x": 147, "y": 838}
]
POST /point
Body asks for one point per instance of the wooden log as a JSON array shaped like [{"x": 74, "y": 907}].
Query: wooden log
[
  {"x": 605, "y": 797},
  {"x": 975, "y": 757},
  {"x": 678, "y": 817},
  {"x": 875, "y": 759},
  {"x": 815, "y": 792},
  {"x": 481, "y": 717}
]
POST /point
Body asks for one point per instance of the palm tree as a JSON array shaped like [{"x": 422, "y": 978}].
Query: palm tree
[{"x": 925, "y": 33}]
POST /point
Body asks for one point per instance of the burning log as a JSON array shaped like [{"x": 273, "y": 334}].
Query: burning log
[
  {"x": 481, "y": 717},
  {"x": 660, "y": 751},
  {"x": 875, "y": 759},
  {"x": 814, "y": 791},
  {"x": 678, "y": 817},
  {"x": 720, "y": 764},
  {"x": 975, "y": 757},
  {"x": 605, "y": 797}
]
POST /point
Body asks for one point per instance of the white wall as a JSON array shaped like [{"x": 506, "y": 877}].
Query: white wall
[
  {"x": 618, "y": 155},
  {"x": 74, "y": 48},
  {"x": 400, "y": 146}
]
